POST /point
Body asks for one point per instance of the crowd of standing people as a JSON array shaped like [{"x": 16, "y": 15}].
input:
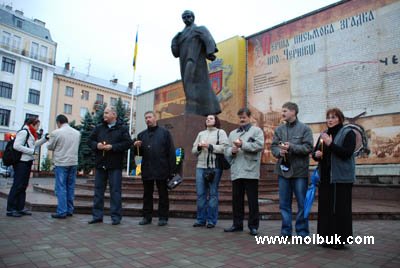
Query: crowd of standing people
[{"x": 292, "y": 145}]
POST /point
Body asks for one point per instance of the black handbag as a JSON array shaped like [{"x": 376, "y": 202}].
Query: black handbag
[
  {"x": 174, "y": 182},
  {"x": 209, "y": 173},
  {"x": 220, "y": 160}
]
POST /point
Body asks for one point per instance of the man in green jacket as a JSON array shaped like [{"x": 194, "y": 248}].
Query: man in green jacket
[
  {"x": 291, "y": 145},
  {"x": 244, "y": 152}
]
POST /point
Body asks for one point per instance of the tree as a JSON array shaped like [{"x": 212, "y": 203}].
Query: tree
[
  {"x": 121, "y": 111},
  {"x": 98, "y": 116},
  {"x": 86, "y": 158}
]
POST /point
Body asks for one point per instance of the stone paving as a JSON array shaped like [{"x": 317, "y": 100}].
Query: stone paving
[{"x": 40, "y": 241}]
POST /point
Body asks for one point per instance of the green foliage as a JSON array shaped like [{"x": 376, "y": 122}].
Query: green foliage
[
  {"x": 98, "y": 116},
  {"x": 86, "y": 158},
  {"x": 46, "y": 164},
  {"x": 121, "y": 111}
]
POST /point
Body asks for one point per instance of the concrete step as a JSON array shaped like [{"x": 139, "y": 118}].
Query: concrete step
[
  {"x": 362, "y": 208},
  {"x": 87, "y": 195},
  {"x": 181, "y": 189}
]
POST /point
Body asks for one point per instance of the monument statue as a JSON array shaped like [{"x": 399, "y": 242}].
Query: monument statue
[{"x": 193, "y": 46}]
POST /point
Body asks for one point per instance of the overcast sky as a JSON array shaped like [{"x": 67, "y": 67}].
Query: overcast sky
[{"x": 103, "y": 32}]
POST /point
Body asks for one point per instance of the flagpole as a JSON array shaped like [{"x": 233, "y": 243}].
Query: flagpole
[{"x": 133, "y": 93}]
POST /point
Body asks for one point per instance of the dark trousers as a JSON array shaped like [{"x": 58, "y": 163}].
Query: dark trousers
[
  {"x": 114, "y": 177},
  {"x": 163, "y": 200},
  {"x": 17, "y": 195},
  {"x": 239, "y": 187}
]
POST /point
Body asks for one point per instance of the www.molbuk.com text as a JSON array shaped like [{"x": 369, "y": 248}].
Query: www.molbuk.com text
[{"x": 315, "y": 239}]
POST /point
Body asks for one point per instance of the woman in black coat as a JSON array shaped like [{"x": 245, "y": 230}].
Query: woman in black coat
[{"x": 334, "y": 152}]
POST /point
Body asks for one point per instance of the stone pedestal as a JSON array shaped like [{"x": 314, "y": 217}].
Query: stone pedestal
[{"x": 184, "y": 130}]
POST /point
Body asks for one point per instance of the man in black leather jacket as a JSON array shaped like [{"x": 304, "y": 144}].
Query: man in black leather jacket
[
  {"x": 109, "y": 140},
  {"x": 156, "y": 147}
]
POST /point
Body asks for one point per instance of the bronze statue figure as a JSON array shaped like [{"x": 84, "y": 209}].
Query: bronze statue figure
[{"x": 193, "y": 46}]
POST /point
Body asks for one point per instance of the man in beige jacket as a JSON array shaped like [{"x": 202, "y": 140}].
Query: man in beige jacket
[
  {"x": 244, "y": 151},
  {"x": 64, "y": 141}
]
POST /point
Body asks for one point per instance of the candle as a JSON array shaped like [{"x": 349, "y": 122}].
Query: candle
[
  {"x": 322, "y": 147},
  {"x": 104, "y": 143}
]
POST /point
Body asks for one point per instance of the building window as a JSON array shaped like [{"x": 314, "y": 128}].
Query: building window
[
  {"x": 36, "y": 73},
  {"x": 8, "y": 65},
  {"x": 43, "y": 53},
  {"x": 34, "y": 96},
  {"x": 6, "y": 90},
  {"x": 5, "y": 117},
  {"x": 69, "y": 91},
  {"x": 84, "y": 111},
  {"x": 100, "y": 98},
  {"x": 113, "y": 101},
  {"x": 31, "y": 116},
  {"x": 6, "y": 39},
  {"x": 19, "y": 23},
  {"x": 84, "y": 95},
  {"x": 34, "y": 50},
  {"x": 67, "y": 108},
  {"x": 126, "y": 104},
  {"x": 16, "y": 43}
]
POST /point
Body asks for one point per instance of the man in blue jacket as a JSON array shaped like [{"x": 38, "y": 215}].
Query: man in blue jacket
[
  {"x": 156, "y": 147},
  {"x": 109, "y": 140}
]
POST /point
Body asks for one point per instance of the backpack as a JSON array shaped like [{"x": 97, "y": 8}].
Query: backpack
[
  {"x": 361, "y": 148},
  {"x": 12, "y": 156}
]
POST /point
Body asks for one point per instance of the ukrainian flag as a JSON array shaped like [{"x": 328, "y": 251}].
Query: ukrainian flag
[{"x": 135, "y": 52}]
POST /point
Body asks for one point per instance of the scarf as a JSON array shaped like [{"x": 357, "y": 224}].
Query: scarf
[{"x": 32, "y": 130}]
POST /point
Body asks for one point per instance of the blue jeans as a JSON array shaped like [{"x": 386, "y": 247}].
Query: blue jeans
[
  {"x": 287, "y": 187},
  {"x": 114, "y": 177},
  {"x": 207, "y": 197},
  {"x": 65, "y": 189}
]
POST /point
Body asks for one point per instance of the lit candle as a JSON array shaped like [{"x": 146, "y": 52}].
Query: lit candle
[
  {"x": 104, "y": 143},
  {"x": 322, "y": 147}
]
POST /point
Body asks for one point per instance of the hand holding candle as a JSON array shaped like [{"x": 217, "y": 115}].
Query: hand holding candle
[
  {"x": 104, "y": 152},
  {"x": 322, "y": 147}
]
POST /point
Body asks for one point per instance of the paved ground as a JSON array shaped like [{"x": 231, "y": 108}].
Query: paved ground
[{"x": 39, "y": 241}]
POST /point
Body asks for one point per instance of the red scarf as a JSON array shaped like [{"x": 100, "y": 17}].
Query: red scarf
[{"x": 32, "y": 130}]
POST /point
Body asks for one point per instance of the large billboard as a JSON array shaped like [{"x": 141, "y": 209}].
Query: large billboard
[{"x": 344, "y": 56}]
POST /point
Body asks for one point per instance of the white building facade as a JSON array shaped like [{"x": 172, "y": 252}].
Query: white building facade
[{"x": 27, "y": 55}]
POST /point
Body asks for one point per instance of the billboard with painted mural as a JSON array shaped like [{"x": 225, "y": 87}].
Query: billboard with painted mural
[{"x": 346, "y": 55}]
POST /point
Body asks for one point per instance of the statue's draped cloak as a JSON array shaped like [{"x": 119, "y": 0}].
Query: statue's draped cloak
[{"x": 192, "y": 45}]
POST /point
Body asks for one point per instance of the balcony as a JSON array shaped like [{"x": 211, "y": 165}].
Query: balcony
[{"x": 27, "y": 53}]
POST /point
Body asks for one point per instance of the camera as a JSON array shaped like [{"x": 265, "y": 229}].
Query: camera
[{"x": 208, "y": 175}]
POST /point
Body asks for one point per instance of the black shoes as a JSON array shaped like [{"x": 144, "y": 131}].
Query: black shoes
[
  {"x": 25, "y": 213},
  {"x": 14, "y": 214},
  {"x": 145, "y": 221},
  {"x": 209, "y": 225},
  {"x": 162, "y": 222},
  {"x": 95, "y": 221},
  {"x": 253, "y": 231},
  {"x": 69, "y": 214},
  {"x": 116, "y": 222},
  {"x": 233, "y": 228},
  {"x": 196, "y": 224},
  {"x": 58, "y": 216}
]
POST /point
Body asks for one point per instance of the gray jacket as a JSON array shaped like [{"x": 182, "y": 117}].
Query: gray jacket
[
  {"x": 31, "y": 147},
  {"x": 300, "y": 138},
  {"x": 65, "y": 144},
  {"x": 342, "y": 170},
  {"x": 210, "y": 135},
  {"x": 245, "y": 164}
]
